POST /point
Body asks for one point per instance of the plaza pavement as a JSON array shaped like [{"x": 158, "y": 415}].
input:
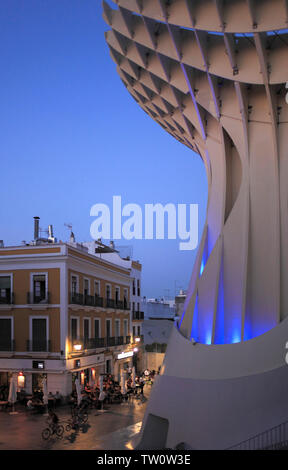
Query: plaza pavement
[{"x": 115, "y": 429}]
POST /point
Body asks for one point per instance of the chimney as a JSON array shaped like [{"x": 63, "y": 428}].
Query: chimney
[
  {"x": 50, "y": 231},
  {"x": 1, "y": 244},
  {"x": 112, "y": 245},
  {"x": 36, "y": 228}
]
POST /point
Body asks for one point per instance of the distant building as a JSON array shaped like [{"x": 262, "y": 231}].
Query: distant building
[
  {"x": 179, "y": 303},
  {"x": 159, "y": 315},
  {"x": 154, "y": 308}
]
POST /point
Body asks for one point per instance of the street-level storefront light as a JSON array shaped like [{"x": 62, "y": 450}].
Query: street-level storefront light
[
  {"x": 77, "y": 347},
  {"x": 21, "y": 380},
  {"x": 135, "y": 349},
  {"x": 137, "y": 340}
]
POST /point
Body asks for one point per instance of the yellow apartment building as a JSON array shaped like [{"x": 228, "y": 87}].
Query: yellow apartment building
[{"x": 65, "y": 312}]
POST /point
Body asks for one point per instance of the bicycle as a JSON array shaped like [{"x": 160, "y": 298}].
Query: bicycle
[
  {"x": 52, "y": 429},
  {"x": 78, "y": 417}
]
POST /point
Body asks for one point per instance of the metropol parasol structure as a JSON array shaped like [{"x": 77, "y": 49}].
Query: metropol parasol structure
[{"x": 213, "y": 74}]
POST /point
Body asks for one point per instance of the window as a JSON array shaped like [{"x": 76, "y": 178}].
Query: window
[
  {"x": 125, "y": 327},
  {"x": 86, "y": 329},
  {"x": 125, "y": 298},
  {"x": 5, "y": 289},
  {"x": 133, "y": 286},
  {"x": 5, "y": 334},
  {"x": 86, "y": 287},
  {"x": 139, "y": 330},
  {"x": 74, "y": 329},
  {"x": 97, "y": 288},
  {"x": 74, "y": 285},
  {"x": 133, "y": 307},
  {"x": 108, "y": 291},
  {"x": 117, "y": 294},
  {"x": 117, "y": 328},
  {"x": 134, "y": 331},
  {"x": 138, "y": 287},
  {"x": 108, "y": 328},
  {"x": 39, "y": 288},
  {"x": 138, "y": 307},
  {"x": 39, "y": 334},
  {"x": 97, "y": 333}
]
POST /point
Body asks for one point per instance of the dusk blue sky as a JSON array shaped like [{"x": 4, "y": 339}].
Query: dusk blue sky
[{"x": 71, "y": 136}]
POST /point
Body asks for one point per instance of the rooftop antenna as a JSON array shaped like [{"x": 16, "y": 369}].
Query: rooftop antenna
[
  {"x": 72, "y": 236},
  {"x": 69, "y": 226},
  {"x": 166, "y": 294}
]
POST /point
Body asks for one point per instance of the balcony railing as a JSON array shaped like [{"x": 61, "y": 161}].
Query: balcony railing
[
  {"x": 136, "y": 315},
  {"x": 38, "y": 345},
  {"x": 77, "y": 299},
  {"x": 6, "y": 297},
  {"x": 110, "y": 303},
  {"x": 119, "y": 304},
  {"x": 89, "y": 300},
  {"x": 32, "y": 298},
  {"x": 95, "y": 343},
  {"x": 7, "y": 345},
  {"x": 126, "y": 305},
  {"x": 98, "y": 301}
]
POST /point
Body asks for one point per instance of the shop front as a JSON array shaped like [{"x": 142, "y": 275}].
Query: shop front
[
  {"x": 87, "y": 370},
  {"x": 123, "y": 362}
]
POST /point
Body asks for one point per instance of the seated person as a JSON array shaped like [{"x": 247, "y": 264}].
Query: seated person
[
  {"x": 58, "y": 397},
  {"x": 30, "y": 405}
]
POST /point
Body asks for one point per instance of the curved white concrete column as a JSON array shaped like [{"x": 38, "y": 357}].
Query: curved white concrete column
[{"x": 214, "y": 78}]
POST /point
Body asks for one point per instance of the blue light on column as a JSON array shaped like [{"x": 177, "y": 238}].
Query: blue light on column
[
  {"x": 194, "y": 329},
  {"x": 202, "y": 267}
]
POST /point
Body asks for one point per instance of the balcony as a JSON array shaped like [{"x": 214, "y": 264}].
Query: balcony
[
  {"x": 86, "y": 300},
  {"x": 119, "y": 304},
  {"x": 110, "y": 303},
  {"x": 116, "y": 341},
  {"x": 7, "y": 345},
  {"x": 6, "y": 297},
  {"x": 136, "y": 315},
  {"x": 38, "y": 345},
  {"x": 126, "y": 305},
  {"x": 96, "y": 343},
  {"x": 32, "y": 298},
  {"x": 89, "y": 300},
  {"x": 98, "y": 301}
]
